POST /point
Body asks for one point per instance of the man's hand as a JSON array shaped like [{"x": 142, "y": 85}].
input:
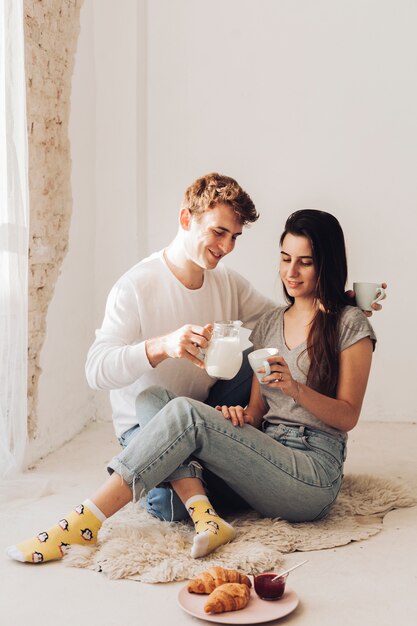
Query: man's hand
[
  {"x": 376, "y": 307},
  {"x": 184, "y": 343}
]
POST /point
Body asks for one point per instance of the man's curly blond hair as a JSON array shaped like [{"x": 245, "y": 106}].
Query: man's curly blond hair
[{"x": 213, "y": 189}]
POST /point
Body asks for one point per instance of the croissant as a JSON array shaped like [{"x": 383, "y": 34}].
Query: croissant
[
  {"x": 208, "y": 580},
  {"x": 227, "y": 597}
]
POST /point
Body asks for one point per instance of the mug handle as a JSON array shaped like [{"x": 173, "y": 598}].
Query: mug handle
[
  {"x": 267, "y": 367},
  {"x": 380, "y": 295}
]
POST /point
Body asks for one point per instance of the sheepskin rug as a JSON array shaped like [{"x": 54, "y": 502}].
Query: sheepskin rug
[{"x": 133, "y": 544}]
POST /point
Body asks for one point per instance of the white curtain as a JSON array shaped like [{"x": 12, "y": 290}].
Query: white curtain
[{"x": 13, "y": 240}]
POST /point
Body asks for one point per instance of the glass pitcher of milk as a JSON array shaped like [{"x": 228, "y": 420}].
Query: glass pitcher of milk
[{"x": 223, "y": 357}]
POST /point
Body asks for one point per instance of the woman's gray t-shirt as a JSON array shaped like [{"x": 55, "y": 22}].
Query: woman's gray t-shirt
[{"x": 269, "y": 333}]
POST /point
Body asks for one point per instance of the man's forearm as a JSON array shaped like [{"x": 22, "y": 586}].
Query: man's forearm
[
  {"x": 155, "y": 350},
  {"x": 113, "y": 366}
]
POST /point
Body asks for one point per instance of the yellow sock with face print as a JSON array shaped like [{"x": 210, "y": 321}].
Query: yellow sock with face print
[
  {"x": 80, "y": 526},
  {"x": 211, "y": 530}
]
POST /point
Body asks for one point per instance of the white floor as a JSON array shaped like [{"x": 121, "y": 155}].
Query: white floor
[{"x": 373, "y": 582}]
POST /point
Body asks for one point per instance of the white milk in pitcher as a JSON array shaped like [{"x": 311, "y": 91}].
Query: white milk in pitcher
[{"x": 224, "y": 357}]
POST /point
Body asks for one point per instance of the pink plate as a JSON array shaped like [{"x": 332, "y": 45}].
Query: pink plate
[{"x": 255, "y": 612}]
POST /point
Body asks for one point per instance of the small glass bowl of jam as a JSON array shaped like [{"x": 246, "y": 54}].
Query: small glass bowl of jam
[{"x": 269, "y": 589}]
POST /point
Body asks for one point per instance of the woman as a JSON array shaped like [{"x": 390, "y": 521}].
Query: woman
[{"x": 283, "y": 453}]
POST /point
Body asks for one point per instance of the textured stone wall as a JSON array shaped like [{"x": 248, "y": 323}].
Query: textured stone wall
[{"x": 51, "y": 33}]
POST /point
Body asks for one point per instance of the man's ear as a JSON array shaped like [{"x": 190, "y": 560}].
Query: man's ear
[{"x": 185, "y": 219}]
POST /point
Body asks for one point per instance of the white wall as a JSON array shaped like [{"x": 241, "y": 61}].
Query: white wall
[
  {"x": 306, "y": 104},
  {"x": 118, "y": 116}
]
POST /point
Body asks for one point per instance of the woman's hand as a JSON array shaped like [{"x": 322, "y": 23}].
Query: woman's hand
[
  {"x": 239, "y": 415},
  {"x": 341, "y": 412},
  {"x": 280, "y": 376}
]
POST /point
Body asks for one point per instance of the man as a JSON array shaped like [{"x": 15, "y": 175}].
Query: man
[{"x": 158, "y": 316}]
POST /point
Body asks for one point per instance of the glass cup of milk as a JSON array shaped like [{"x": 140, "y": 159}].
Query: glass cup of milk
[{"x": 223, "y": 357}]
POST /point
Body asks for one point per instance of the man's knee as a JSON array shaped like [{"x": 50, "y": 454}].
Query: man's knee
[{"x": 152, "y": 393}]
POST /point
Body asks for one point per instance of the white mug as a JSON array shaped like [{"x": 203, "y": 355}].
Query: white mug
[
  {"x": 368, "y": 294},
  {"x": 258, "y": 359}
]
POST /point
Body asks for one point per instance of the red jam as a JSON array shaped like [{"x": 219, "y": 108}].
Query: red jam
[{"x": 268, "y": 590}]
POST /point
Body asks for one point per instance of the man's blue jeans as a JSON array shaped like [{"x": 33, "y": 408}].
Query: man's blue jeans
[{"x": 162, "y": 501}]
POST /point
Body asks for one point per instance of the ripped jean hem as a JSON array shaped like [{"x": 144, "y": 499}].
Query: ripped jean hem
[{"x": 138, "y": 484}]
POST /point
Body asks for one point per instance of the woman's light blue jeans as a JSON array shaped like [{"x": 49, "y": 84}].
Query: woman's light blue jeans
[{"x": 290, "y": 472}]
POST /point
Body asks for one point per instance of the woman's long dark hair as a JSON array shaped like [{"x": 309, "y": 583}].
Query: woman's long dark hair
[{"x": 329, "y": 255}]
